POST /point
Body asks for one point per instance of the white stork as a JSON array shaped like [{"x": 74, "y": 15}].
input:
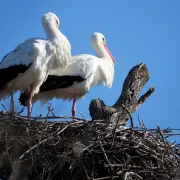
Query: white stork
[
  {"x": 83, "y": 72},
  {"x": 28, "y": 65}
]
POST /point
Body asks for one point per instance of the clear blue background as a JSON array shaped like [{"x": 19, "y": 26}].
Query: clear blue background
[{"x": 136, "y": 31}]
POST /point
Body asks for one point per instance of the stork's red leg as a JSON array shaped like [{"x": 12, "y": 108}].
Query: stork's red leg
[
  {"x": 74, "y": 108},
  {"x": 30, "y": 101}
]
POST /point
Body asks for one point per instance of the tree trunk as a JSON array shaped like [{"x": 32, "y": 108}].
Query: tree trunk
[{"x": 127, "y": 102}]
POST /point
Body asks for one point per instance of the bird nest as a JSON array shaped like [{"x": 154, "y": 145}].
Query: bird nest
[{"x": 38, "y": 149}]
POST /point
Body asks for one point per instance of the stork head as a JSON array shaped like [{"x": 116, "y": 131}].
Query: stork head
[
  {"x": 98, "y": 41},
  {"x": 98, "y": 38},
  {"x": 50, "y": 19}
]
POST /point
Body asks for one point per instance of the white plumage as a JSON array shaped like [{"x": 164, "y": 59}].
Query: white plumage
[
  {"x": 28, "y": 65},
  {"x": 83, "y": 72}
]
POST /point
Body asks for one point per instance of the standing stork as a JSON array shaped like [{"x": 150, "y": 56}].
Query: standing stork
[
  {"x": 28, "y": 65},
  {"x": 83, "y": 72}
]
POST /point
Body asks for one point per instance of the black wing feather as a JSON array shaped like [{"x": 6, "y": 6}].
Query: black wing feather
[
  {"x": 24, "y": 98},
  {"x": 56, "y": 82},
  {"x": 8, "y": 74},
  {"x": 51, "y": 83}
]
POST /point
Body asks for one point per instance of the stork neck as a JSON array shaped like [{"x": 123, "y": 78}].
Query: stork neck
[
  {"x": 101, "y": 51},
  {"x": 52, "y": 32}
]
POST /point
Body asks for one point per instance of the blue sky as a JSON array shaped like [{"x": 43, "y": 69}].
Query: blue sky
[{"x": 136, "y": 31}]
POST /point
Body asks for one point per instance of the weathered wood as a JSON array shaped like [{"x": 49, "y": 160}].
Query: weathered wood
[{"x": 127, "y": 102}]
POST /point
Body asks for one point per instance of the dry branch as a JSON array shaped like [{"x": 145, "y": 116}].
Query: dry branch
[{"x": 136, "y": 79}]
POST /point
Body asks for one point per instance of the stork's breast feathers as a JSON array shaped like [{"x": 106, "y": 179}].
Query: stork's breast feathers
[
  {"x": 107, "y": 73},
  {"x": 62, "y": 52}
]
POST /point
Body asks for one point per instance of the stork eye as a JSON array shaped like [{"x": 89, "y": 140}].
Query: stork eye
[
  {"x": 103, "y": 39},
  {"x": 57, "y": 22}
]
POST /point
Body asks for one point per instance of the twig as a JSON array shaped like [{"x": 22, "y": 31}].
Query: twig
[
  {"x": 39, "y": 118},
  {"x": 130, "y": 116},
  {"x": 67, "y": 127},
  {"x": 141, "y": 65},
  {"x": 144, "y": 97},
  {"x": 159, "y": 131},
  {"x": 142, "y": 126},
  {"x": 130, "y": 166},
  {"x": 12, "y": 107},
  {"x": 108, "y": 177},
  {"x": 48, "y": 107},
  {"x": 105, "y": 155},
  {"x": 21, "y": 111},
  {"x": 114, "y": 132},
  {"x": 51, "y": 110},
  {"x": 84, "y": 169},
  {"x": 4, "y": 108},
  {"x": 82, "y": 115},
  {"x": 129, "y": 174},
  {"x": 59, "y": 117}
]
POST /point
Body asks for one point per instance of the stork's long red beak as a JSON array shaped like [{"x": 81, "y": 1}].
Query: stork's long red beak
[{"x": 109, "y": 54}]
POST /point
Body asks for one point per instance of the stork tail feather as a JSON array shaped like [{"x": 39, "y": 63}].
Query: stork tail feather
[{"x": 24, "y": 98}]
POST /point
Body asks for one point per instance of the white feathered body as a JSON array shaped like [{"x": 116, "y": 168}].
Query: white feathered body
[
  {"x": 93, "y": 70},
  {"x": 41, "y": 56}
]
